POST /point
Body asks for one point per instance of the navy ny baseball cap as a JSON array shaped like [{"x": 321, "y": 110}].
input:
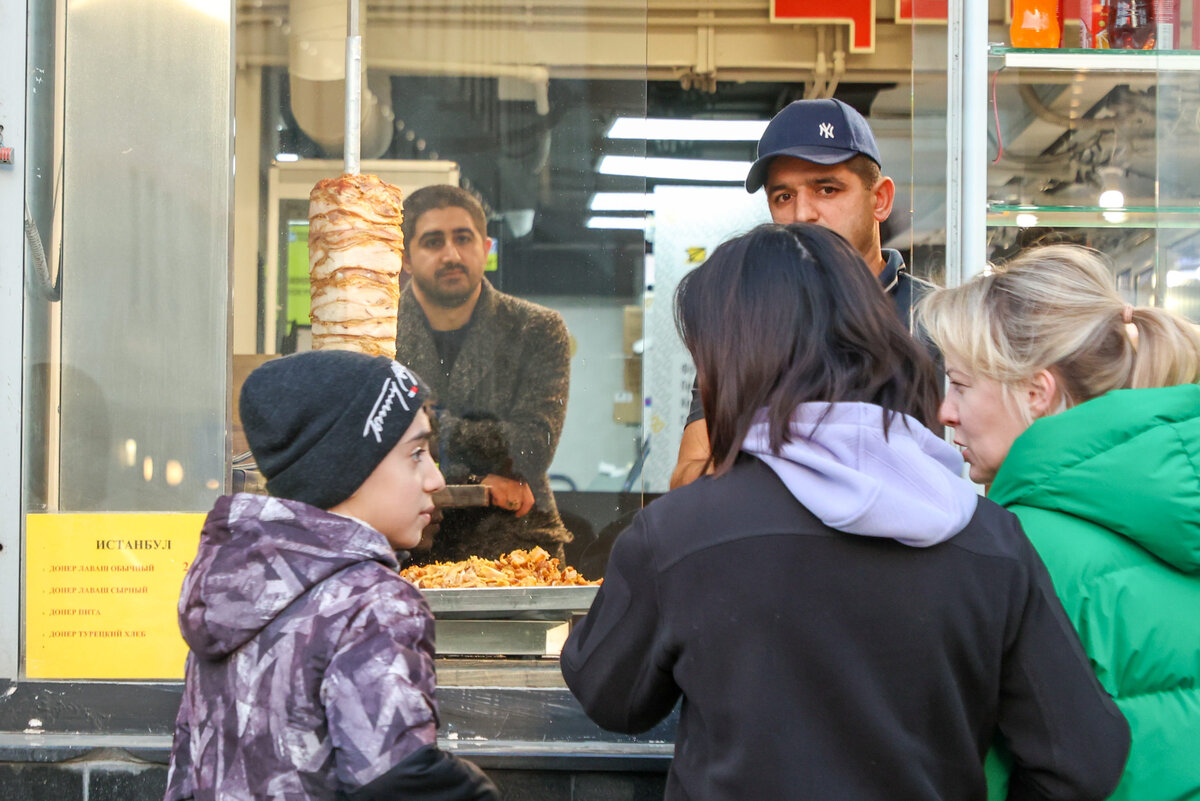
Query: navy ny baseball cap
[{"x": 820, "y": 131}]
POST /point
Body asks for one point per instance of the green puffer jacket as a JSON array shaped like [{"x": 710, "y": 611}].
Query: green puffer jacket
[{"x": 1109, "y": 494}]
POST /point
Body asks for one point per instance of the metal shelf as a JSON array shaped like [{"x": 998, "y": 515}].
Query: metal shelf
[
  {"x": 506, "y": 601},
  {"x": 1007, "y": 215},
  {"x": 1079, "y": 60}
]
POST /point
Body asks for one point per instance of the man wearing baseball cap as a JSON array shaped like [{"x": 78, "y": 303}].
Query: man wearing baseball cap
[{"x": 818, "y": 162}]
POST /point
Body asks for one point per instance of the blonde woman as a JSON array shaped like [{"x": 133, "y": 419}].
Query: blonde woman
[{"x": 1082, "y": 414}]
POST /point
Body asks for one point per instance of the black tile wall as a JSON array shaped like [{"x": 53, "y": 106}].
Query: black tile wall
[
  {"x": 64, "y": 782},
  {"x": 532, "y": 785},
  {"x": 39, "y": 782},
  {"x": 146, "y": 785},
  {"x": 619, "y": 786}
]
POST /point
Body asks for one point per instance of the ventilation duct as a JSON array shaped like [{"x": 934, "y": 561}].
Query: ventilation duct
[{"x": 317, "y": 72}]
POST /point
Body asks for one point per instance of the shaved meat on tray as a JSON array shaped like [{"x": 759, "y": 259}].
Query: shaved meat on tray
[{"x": 532, "y": 568}]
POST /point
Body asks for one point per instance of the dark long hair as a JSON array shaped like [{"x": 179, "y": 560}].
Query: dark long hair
[{"x": 788, "y": 314}]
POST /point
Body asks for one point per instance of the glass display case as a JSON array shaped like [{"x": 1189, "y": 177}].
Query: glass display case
[{"x": 1099, "y": 147}]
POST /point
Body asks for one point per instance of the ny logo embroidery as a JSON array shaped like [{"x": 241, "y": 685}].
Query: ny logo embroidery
[{"x": 826, "y": 129}]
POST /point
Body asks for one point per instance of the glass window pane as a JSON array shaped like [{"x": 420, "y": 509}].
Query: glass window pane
[
  {"x": 509, "y": 103},
  {"x": 126, "y": 358}
]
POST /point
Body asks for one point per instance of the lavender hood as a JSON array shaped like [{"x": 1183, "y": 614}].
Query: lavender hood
[{"x": 906, "y": 486}]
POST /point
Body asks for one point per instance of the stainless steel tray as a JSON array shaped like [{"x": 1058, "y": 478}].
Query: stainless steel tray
[
  {"x": 501, "y": 637},
  {"x": 511, "y": 599}
]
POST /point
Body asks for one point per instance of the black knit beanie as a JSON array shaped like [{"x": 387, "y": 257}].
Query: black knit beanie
[{"x": 319, "y": 422}]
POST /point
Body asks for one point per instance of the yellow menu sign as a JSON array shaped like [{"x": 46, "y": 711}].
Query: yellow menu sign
[{"x": 101, "y": 592}]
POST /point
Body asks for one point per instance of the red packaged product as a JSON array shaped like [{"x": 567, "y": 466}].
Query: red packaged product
[
  {"x": 1133, "y": 26},
  {"x": 1166, "y": 21},
  {"x": 1095, "y": 19}
]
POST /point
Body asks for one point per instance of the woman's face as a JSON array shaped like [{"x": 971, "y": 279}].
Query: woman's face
[{"x": 985, "y": 423}]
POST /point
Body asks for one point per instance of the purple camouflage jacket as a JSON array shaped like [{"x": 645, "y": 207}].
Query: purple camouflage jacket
[{"x": 311, "y": 667}]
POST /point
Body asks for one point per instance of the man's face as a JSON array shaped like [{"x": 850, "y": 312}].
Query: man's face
[
  {"x": 446, "y": 257},
  {"x": 833, "y": 196}
]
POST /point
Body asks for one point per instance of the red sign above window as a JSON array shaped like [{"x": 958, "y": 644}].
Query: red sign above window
[
  {"x": 922, "y": 10},
  {"x": 859, "y": 14}
]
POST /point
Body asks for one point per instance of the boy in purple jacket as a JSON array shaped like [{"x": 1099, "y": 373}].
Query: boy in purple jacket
[{"x": 311, "y": 670}]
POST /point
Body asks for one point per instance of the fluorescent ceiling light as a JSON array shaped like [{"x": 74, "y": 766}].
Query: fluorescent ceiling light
[
  {"x": 621, "y": 201},
  {"x": 687, "y": 130},
  {"x": 625, "y": 223},
  {"x": 677, "y": 169},
  {"x": 286, "y": 157},
  {"x": 1111, "y": 199}
]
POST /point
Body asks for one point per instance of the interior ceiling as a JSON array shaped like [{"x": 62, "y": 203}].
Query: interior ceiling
[
  {"x": 450, "y": 67},
  {"x": 1057, "y": 143},
  {"x": 516, "y": 159}
]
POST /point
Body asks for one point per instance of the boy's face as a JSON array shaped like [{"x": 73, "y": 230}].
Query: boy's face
[{"x": 395, "y": 498}]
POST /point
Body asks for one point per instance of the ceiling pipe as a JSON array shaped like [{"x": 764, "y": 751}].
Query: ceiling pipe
[
  {"x": 816, "y": 87},
  {"x": 1047, "y": 114},
  {"x": 839, "y": 62},
  {"x": 537, "y": 75},
  {"x": 317, "y": 73}
]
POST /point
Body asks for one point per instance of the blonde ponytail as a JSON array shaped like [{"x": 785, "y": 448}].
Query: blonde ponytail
[
  {"x": 1056, "y": 307},
  {"x": 1167, "y": 347}
]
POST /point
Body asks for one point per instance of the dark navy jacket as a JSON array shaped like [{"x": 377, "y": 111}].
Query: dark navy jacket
[{"x": 814, "y": 664}]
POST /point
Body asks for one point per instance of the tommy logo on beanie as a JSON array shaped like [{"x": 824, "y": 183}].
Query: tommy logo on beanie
[
  {"x": 401, "y": 386},
  {"x": 319, "y": 422}
]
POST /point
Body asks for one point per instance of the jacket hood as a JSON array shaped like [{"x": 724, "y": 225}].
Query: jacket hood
[
  {"x": 1128, "y": 461},
  {"x": 906, "y": 486},
  {"x": 257, "y": 555}
]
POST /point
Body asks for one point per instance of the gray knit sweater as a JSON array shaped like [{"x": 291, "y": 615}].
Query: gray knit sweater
[{"x": 501, "y": 411}]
